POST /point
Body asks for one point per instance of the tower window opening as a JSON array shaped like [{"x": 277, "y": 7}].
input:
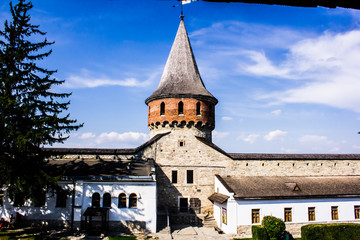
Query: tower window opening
[
  {"x": 162, "y": 109},
  {"x": 181, "y": 108},
  {"x": 198, "y": 109},
  {"x": 190, "y": 176},
  {"x": 174, "y": 176}
]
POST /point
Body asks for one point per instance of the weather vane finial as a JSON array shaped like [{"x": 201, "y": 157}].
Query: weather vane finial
[
  {"x": 182, "y": 13},
  {"x": 182, "y": 2}
]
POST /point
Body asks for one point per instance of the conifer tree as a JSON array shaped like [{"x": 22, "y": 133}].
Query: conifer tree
[{"x": 31, "y": 112}]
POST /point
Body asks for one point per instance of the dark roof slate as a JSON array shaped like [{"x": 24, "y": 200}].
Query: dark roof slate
[
  {"x": 88, "y": 168},
  {"x": 263, "y": 187},
  {"x": 218, "y": 197},
  {"x": 181, "y": 77}
]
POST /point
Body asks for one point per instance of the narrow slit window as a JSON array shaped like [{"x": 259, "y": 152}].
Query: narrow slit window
[
  {"x": 174, "y": 176},
  {"x": 162, "y": 109},
  {"x": 198, "y": 109},
  {"x": 190, "y": 176},
  {"x": 181, "y": 108}
]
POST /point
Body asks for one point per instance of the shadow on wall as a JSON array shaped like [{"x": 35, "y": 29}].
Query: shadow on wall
[{"x": 180, "y": 209}]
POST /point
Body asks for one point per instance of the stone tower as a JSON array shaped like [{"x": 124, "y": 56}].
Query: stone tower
[{"x": 181, "y": 101}]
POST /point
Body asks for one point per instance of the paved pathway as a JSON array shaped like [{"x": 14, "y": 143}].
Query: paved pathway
[
  {"x": 178, "y": 233},
  {"x": 188, "y": 233}
]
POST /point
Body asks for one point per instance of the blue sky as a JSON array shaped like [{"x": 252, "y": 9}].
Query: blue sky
[{"x": 287, "y": 78}]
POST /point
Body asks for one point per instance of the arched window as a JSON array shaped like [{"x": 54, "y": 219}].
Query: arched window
[
  {"x": 61, "y": 197},
  {"x": 198, "y": 108},
  {"x": 132, "y": 200},
  {"x": 122, "y": 200},
  {"x": 107, "y": 200},
  {"x": 95, "y": 200},
  {"x": 181, "y": 108},
  {"x": 162, "y": 108}
]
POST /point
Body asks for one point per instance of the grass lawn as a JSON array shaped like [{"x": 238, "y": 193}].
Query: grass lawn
[
  {"x": 251, "y": 238},
  {"x": 122, "y": 238},
  {"x": 24, "y": 235}
]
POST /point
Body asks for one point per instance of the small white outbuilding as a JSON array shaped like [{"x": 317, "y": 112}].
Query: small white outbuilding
[{"x": 241, "y": 202}]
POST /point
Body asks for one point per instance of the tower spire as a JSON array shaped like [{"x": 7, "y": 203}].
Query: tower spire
[
  {"x": 181, "y": 98},
  {"x": 181, "y": 75}
]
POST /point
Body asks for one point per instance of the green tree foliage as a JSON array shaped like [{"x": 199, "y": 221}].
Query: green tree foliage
[
  {"x": 275, "y": 227},
  {"x": 31, "y": 113},
  {"x": 340, "y": 231},
  {"x": 259, "y": 233}
]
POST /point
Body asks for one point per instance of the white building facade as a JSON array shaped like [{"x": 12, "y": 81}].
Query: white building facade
[
  {"x": 127, "y": 202},
  {"x": 236, "y": 213}
]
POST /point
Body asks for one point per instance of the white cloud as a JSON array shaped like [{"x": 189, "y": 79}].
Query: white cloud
[
  {"x": 276, "y": 112},
  {"x": 275, "y": 135},
  {"x": 287, "y": 150},
  {"x": 312, "y": 139},
  {"x": 245, "y": 34},
  {"x": 106, "y": 140},
  {"x": 87, "y": 135},
  {"x": 263, "y": 66},
  {"x": 87, "y": 79},
  {"x": 127, "y": 137},
  {"x": 335, "y": 150},
  {"x": 225, "y": 118},
  {"x": 323, "y": 67},
  {"x": 326, "y": 68},
  {"x": 251, "y": 138},
  {"x": 219, "y": 135}
]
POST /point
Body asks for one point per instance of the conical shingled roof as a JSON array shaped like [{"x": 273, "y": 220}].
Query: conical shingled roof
[{"x": 181, "y": 77}]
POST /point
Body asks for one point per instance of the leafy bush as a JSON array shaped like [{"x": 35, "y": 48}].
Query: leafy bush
[
  {"x": 274, "y": 226},
  {"x": 340, "y": 231},
  {"x": 259, "y": 233}
]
